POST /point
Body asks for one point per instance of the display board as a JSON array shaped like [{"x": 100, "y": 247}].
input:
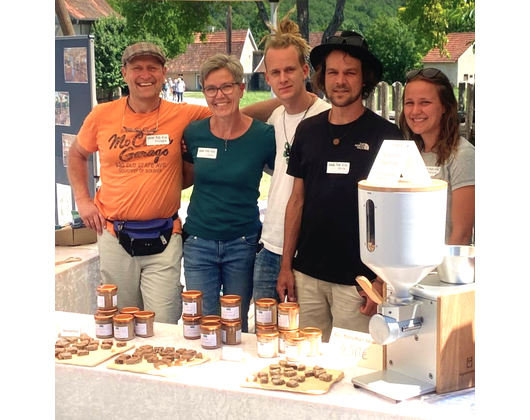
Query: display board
[{"x": 75, "y": 96}]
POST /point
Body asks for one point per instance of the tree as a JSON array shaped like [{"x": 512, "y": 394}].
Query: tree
[
  {"x": 394, "y": 44},
  {"x": 432, "y": 20}
]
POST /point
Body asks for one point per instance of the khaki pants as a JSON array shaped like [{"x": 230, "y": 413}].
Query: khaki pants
[
  {"x": 326, "y": 305},
  {"x": 150, "y": 282}
]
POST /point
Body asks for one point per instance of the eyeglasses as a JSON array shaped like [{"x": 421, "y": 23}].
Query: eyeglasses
[
  {"x": 428, "y": 73},
  {"x": 227, "y": 89},
  {"x": 144, "y": 131},
  {"x": 357, "y": 41}
]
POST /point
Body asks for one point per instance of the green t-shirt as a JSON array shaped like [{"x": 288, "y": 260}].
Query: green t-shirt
[{"x": 224, "y": 202}]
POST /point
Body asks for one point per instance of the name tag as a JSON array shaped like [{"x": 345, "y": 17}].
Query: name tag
[
  {"x": 433, "y": 170},
  {"x": 338, "y": 168},
  {"x": 207, "y": 153},
  {"x": 157, "y": 139}
]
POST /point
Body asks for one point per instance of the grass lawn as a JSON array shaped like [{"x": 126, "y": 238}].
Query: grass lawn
[{"x": 248, "y": 99}]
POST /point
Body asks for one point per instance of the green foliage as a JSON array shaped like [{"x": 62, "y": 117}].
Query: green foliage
[{"x": 394, "y": 44}]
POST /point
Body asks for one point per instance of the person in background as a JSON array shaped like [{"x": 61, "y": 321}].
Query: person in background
[
  {"x": 331, "y": 153},
  {"x": 225, "y": 158},
  {"x": 174, "y": 90},
  {"x": 286, "y": 70},
  {"x": 430, "y": 117},
  {"x": 181, "y": 87},
  {"x": 165, "y": 90}
]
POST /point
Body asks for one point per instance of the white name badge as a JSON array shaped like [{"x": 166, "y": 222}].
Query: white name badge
[
  {"x": 207, "y": 153},
  {"x": 157, "y": 139},
  {"x": 434, "y": 170},
  {"x": 338, "y": 168}
]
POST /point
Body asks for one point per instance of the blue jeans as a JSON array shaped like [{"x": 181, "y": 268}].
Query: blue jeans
[
  {"x": 266, "y": 270},
  {"x": 211, "y": 266}
]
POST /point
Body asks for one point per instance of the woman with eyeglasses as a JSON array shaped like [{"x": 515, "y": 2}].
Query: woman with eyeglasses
[
  {"x": 430, "y": 117},
  {"x": 225, "y": 158}
]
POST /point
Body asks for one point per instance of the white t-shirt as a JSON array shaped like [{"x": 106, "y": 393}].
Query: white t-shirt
[{"x": 281, "y": 183}]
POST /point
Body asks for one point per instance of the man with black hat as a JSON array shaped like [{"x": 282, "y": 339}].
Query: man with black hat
[{"x": 331, "y": 152}]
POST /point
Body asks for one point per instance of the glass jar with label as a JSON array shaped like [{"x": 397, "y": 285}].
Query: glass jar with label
[
  {"x": 231, "y": 332},
  {"x": 266, "y": 312},
  {"x": 230, "y": 308},
  {"x": 295, "y": 346},
  {"x": 210, "y": 335},
  {"x": 191, "y": 330},
  {"x": 267, "y": 344},
  {"x": 107, "y": 296},
  {"x": 281, "y": 340},
  {"x": 314, "y": 340},
  {"x": 192, "y": 303},
  {"x": 144, "y": 323},
  {"x": 288, "y": 315},
  {"x": 123, "y": 327},
  {"x": 104, "y": 326}
]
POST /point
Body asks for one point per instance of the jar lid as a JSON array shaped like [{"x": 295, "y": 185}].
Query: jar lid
[
  {"x": 311, "y": 331},
  {"x": 288, "y": 306},
  {"x": 211, "y": 325},
  {"x": 123, "y": 317},
  {"x": 209, "y": 318},
  {"x": 129, "y": 310},
  {"x": 107, "y": 287},
  {"x": 191, "y": 317},
  {"x": 268, "y": 334},
  {"x": 266, "y": 328},
  {"x": 107, "y": 311},
  {"x": 230, "y": 299},
  {"x": 144, "y": 314},
  {"x": 231, "y": 323},
  {"x": 295, "y": 337},
  {"x": 193, "y": 294},
  {"x": 102, "y": 317},
  {"x": 266, "y": 302}
]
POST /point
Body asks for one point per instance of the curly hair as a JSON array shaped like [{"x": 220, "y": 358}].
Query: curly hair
[
  {"x": 287, "y": 34},
  {"x": 449, "y": 135}
]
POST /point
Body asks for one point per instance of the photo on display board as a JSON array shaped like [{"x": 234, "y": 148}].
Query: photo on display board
[
  {"x": 75, "y": 65},
  {"x": 62, "y": 108}
]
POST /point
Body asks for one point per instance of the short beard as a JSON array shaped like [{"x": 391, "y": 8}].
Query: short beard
[{"x": 344, "y": 102}]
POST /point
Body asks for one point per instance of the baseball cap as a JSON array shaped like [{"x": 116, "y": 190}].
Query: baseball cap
[{"x": 142, "y": 48}]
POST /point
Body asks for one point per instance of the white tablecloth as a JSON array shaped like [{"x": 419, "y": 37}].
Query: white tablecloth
[{"x": 212, "y": 390}]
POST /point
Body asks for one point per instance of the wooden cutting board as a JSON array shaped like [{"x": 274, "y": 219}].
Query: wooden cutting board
[
  {"x": 95, "y": 357},
  {"x": 311, "y": 385},
  {"x": 149, "y": 369}
]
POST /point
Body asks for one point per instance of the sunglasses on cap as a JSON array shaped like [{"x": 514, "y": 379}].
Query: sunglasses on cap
[
  {"x": 428, "y": 73},
  {"x": 356, "y": 41}
]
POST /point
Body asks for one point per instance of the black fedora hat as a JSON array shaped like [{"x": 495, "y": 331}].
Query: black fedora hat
[{"x": 352, "y": 43}]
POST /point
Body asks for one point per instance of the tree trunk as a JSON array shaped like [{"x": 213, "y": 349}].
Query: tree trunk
[
  {"x": 336, "y": 20},
  {"x": 64, "y": 18},
  {"x": 302, "y": 9},
  {"x": 262, "y": 13}
]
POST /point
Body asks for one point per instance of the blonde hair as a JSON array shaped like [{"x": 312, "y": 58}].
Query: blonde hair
[{"x": 287, "y": 34}]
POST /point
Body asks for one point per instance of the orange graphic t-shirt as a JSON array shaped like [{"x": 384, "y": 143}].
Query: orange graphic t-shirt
[{"x": 141, "y": 175}]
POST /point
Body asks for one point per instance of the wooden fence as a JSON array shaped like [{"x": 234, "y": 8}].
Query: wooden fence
[{"x": 386, "y": 100}]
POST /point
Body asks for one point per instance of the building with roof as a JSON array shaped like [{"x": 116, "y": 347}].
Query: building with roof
[
  {"x": 83, "y": 14},
  {"x": 459, "y": 65},
  {"x": 187, "y": 65}
]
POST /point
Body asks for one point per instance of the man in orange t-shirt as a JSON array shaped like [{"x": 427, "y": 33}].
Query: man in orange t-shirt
[{"x": 138, "y": 139}]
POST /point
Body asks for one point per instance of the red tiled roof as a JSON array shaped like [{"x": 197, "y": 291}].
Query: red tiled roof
[
  {"x": 89, "y": 9},
  {"x": 457, "y": 44},
  {"x": 199, "y": 51}
]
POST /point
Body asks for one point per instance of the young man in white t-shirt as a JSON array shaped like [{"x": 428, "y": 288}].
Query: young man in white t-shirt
[{"x": 286, "y": 54}]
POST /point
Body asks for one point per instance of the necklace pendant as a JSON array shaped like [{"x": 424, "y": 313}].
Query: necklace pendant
[{"x": 336, "y": 141}]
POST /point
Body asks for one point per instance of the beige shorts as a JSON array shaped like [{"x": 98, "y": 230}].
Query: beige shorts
[
  {"x": 326, "y": 305},
  {"x": 150, "y": 282}
]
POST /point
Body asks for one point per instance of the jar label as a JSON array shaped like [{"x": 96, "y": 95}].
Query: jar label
[
  {"x": 121, "y": 332},
  {"x": 293, "y": 351},
  {"x": 209, "y": 340},
  {"x": 231, "y": 312},
  {"x": 263, "y": 316},
  {"x": 283, "y": 321},
  {"x": 189, "y": 308},
  {"x": 104, "y": 329},
  {"x": 223, "y": 336},
  {"x": 267, "y": 349},
  {"x": 140, "y": 328},
  {"x": 192, "y": 330},
  {"x": 101, "y": 301},
  {"x": 281, "y": 344},
  {"x": 115, "y": 300}
]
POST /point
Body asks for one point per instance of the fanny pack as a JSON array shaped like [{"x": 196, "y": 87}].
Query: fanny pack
[{"x": 145, "y": 237}]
